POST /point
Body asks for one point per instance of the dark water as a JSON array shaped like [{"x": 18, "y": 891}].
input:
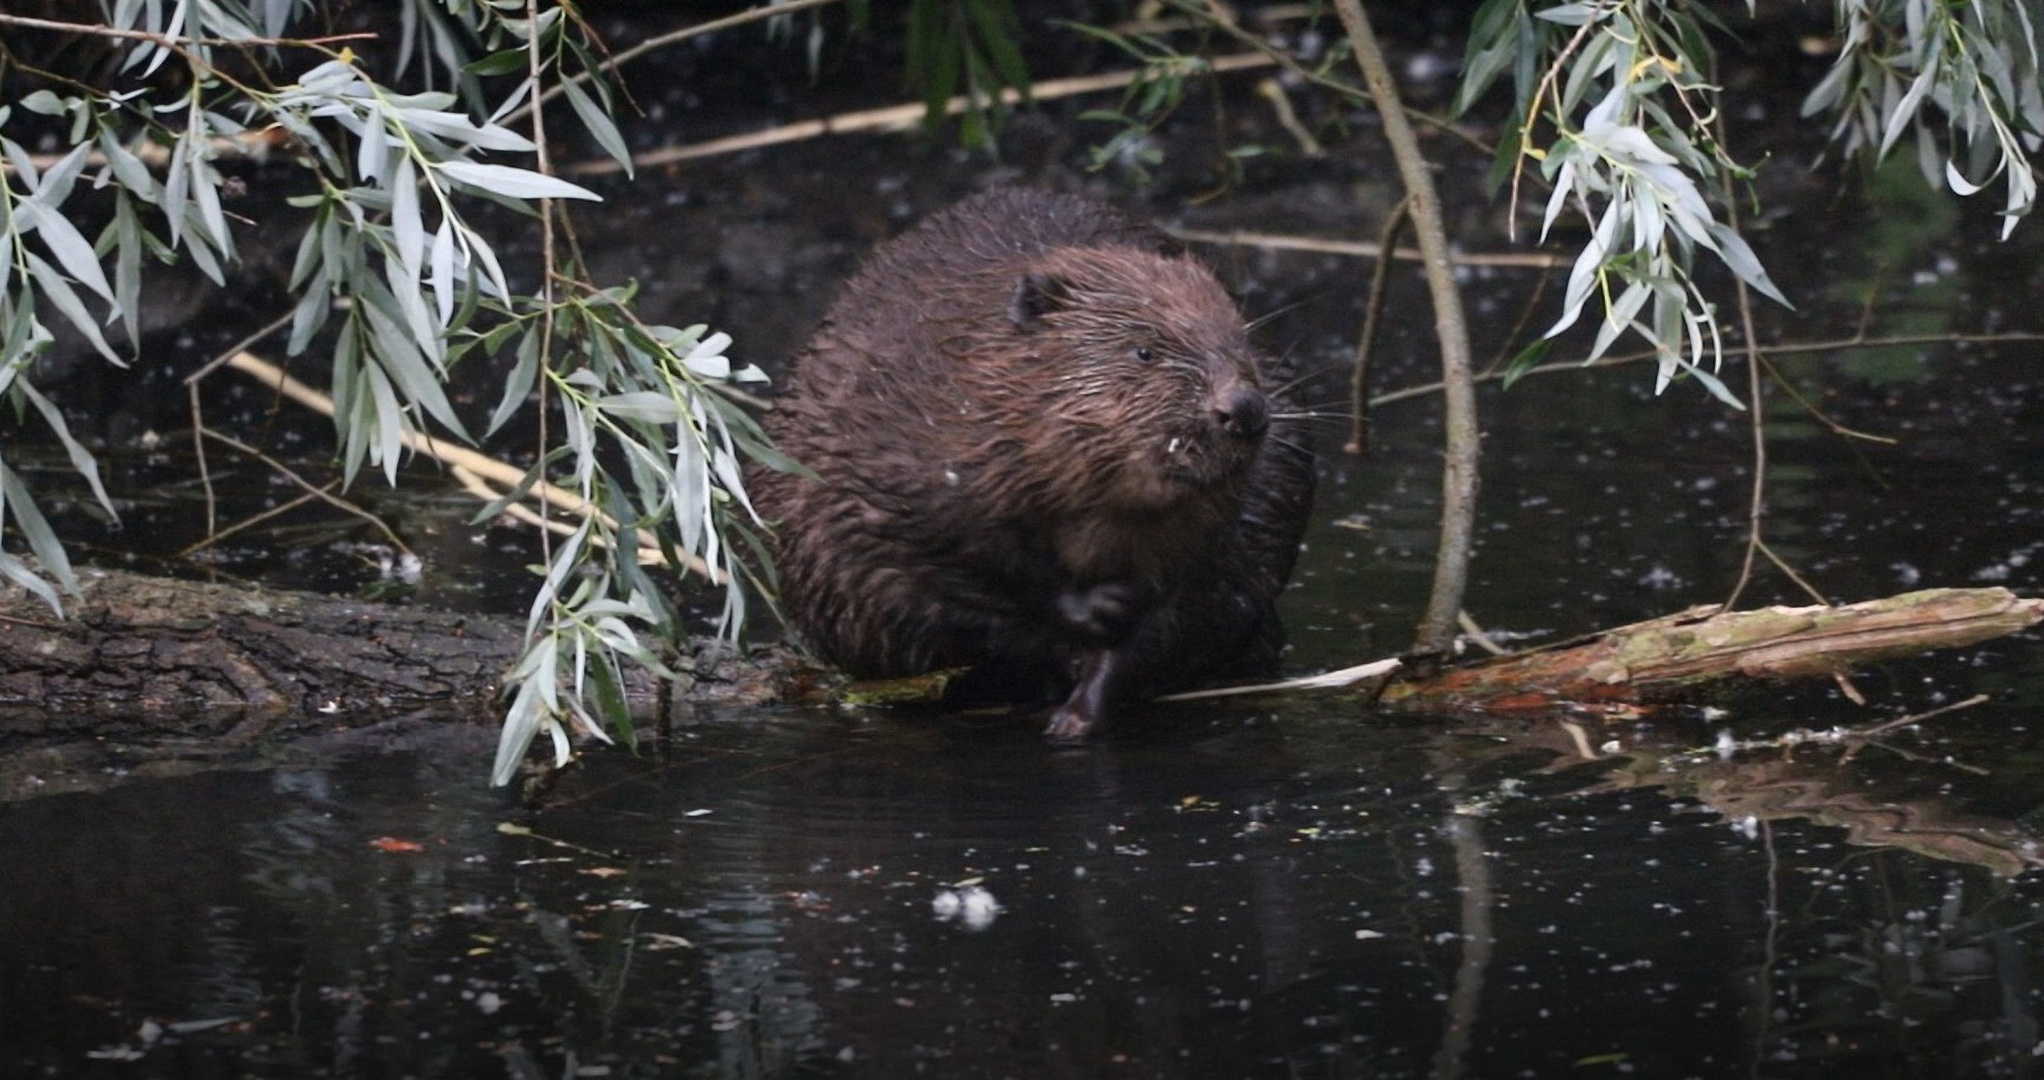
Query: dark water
[{"x": 1296, "y": 887}]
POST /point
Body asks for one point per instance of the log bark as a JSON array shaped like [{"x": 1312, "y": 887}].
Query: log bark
[
  {"x": 141, "y": 658},
  {"x": 1670, "y": 657},
  {"x": 148, "y": 658}
]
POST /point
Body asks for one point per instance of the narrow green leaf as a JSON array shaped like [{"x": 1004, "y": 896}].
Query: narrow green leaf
[
  {"x": 516, "y": 183},
  {"x": 82, "y": 461},
  {"x": 15, "y": 570},
  {"x": 205, "y": 187},
  {"x": 441, "y": 262},
  {"x": 42, "y": 540},
  {"x": 599, "y": 125},
  {"x": 996, "y": 22},
  {"x": 518, "y": 385},
  {"x": 69, "y": 246},
  {"x": 310, "y": 313},
  {"x": 503, "y": 62},
  {"x": 57, "y": 182},
  {"x": 44, "y": 102},
  {"x": 1740, "y": 258},
  {"x": 462, "y": 131},
  {"x": 407, "y": 231},
  {"x": 1528, "y": 358},
  {"x": 129, "y": 245},
  {"x": 609, "y": 700},
  {"x": 398, "y": 355},
  {"x": 58, "y": 289},
  {"x": 521, "y": 723},
  {"x": 390, "y": 423}
]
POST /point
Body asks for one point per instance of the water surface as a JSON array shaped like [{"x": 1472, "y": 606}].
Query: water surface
[{"x": 1273, "y": 887}]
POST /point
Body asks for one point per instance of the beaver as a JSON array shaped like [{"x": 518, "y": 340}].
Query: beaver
[{"x": 1040, "y": 446}]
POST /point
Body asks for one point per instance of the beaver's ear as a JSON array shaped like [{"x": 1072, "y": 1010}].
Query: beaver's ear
[{"x": 1035, "y": 296}]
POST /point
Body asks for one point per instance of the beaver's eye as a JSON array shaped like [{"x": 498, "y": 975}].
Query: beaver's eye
[{"x": 1143, "y": 353}]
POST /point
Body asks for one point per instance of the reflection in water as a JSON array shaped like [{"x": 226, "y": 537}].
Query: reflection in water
[{"x": 1218, "y": 897}]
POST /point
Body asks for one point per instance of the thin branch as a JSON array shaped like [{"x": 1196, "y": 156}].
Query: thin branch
[
  {"x": 483, "y": 490},
  {"x": 214, "y": 536},
  {"x": 1282, "y": 112},
  {"x": 1217, "y": 15},
  {"x": 888, "y": 118},
  {"x": 1916, "y": 718},
  {"x": 176, "y": 44},
  {"x": 1790, "y": 572},
  {"x": 1366, "y": 339},
  {"x": 227, "y": 355},
  {"x": 1781, "y": 381},
  {"x": 1458, "y": 473},
  {"x": 323, "y": 493},
  {"x": 660, "y": 41},
  {"x": 1478, "y": 636},
  {"x": 199, "y": 430},
  {"x": 1826, "y": 345},
  {"x": 1343, "y": 679},
  {"x": 1756, "y": 419},
  {"x": 199, "y": 456},
  {"x": 545, "y": 166},
  {"x": 1526, "y": 124},
  {"x": 1360, "y": 248},
  {"x": 495, "y": 471}
]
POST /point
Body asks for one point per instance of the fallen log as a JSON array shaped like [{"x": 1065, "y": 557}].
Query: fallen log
[
  {"x": 143, "y": 658},
  {"x": 149, "y": 658},
  {"x": 1671, "y": 657}
]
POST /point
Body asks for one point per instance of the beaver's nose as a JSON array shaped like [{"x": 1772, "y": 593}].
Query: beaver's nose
[{"x": 1242, "y": 413}]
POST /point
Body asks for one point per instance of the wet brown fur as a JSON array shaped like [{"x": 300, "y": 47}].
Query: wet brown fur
[{"x": 1016, "y": 414}]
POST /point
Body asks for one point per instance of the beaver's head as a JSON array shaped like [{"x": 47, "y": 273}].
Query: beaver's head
[{"x": 1142, "y": 376}]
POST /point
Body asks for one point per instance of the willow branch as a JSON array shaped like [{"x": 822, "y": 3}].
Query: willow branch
[
  {"x": 1458, "y": 473},
  {"x": 658, "y": 41}
]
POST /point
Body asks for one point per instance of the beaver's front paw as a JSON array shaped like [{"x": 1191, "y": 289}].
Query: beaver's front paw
[{"x": 1104, "y": 613}]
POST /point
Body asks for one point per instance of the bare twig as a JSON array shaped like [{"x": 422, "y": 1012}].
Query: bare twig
[
  {"x": 495, "y": 471},
  {"x": 888, "y": 118},
  {"x": 169, "y": 42},
  {"x": 483, "y": 490},
  {"x": 1854, "y": 738},
  {"x": 1790, "y": 572},
  {"x": 1333, "y": 680},
  {"x": 1828, "y": 345},
  {"x": 1756, "y": 418},
  {"x": 1366, "y": 339},
  {"x": 1526, "y": 127},
  {"x": 1476, "y": 634},
  {"x": 545, "y": 167},
  {"x": 1917, "y": 718},
  {"x": 1458, "y": 474},
  {"x": 1496, "y": 367},
  {"x": 323, "y": 493},
  {"x": 215, "y": 535},
  {"x": 1281, "y": 109},
  {"x": 1365, "y": 249},
  {"x": 661, "y": 41},
  {"x": 1217, "y": 15}
]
